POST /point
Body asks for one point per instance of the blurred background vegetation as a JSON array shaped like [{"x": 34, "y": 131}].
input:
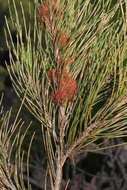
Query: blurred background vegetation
[
  {"x": 4, "y": 54},
  {"x": 10, "y": 98},
  {"x": 3, "y": 48}
]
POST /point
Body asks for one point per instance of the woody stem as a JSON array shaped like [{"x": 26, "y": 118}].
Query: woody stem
[
  {"x": 58, "y": 171},
  {"x": 59, "y": 163}
]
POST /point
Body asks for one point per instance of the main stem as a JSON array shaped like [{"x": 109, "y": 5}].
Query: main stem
[
  {"x": 58, "y": 171},
  {"x": 59, "y": 162}
]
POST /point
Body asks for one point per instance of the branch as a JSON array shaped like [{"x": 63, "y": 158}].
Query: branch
[
  {"x": 58, "y": 171},
  {"x": 84, "y": 135}
]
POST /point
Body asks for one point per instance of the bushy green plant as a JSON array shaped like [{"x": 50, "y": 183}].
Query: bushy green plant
[
  {"x": 70, "y": 70},
  {"x": 4, "y": 10}
]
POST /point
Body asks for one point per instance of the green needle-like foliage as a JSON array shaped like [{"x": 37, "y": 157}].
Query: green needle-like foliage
[
  {"x": 12, "y": 136},
  {"x": 92, "y": 37}
]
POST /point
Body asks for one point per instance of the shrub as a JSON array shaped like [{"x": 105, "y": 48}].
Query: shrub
[{"x": 70, "y": 72}]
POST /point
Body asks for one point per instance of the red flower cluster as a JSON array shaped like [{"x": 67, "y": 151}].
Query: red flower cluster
[
  {"x": 54, "y": 73},
  {"x": 44, "y": 10},
  {"x": 44, "y": 13},
  {"x": 67, "y": 89},
  {"x": 65, "y": 85},
  {"x": 67, "y": 92},
  {"x": 64, "y": 39}
]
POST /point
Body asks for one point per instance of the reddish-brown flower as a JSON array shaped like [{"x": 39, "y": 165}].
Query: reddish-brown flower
[
  {"x": 67, "y": 91},
  {"x": 61, "y": 38},
  {"x": 64, "y": 39},
  {"x": 44, "y": 10},
  {"x": 54, "y": 74},
  {"x": 44, "y": 13},
  {"x": 67, "y": 87}
]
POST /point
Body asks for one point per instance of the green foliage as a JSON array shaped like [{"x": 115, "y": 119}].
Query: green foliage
[
  {"x": 98, "y": 37},
  {"x": 4, "y": 11},
  {"x": 11, "y": 154}
]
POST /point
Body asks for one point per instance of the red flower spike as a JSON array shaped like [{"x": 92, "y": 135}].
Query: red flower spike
[
  {"x": 50, "y": 74},
  {"x": 65, "y": 78},
  {"x": 44, "y": 13},
  {"x": 44, "y": 10},
  {"x": 67, "y": 86},
  {"x": 59, "y": 97},
  {"x": 67, "y": 91},
  {"x": 54, "y": 74},
  {"x": 64, "y": 39}
]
